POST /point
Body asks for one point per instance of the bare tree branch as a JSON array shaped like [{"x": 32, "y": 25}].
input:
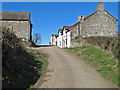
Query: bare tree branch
[{"x": 37, "y": 38}]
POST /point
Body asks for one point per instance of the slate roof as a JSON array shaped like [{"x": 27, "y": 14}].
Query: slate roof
[{"x": 15, "y": 15}]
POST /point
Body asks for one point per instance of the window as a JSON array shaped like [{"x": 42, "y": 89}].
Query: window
[{"x": 66, "y": 41}]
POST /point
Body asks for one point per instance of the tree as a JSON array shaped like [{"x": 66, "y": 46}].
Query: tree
[{"x": 37, "y": 38}]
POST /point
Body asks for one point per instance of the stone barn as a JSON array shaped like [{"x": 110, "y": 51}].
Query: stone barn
[{"x": 19, "y": 23}]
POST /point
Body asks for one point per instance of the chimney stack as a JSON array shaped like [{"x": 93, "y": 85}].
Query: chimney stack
[
  {"x": 81, "y": 18},
  {"x": 100, "y": 6}
]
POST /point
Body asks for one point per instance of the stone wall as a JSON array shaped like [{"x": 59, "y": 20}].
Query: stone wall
[
  {"x": 77, "y": 42},
  {"x": 73, "y": 35},
  {"x": 74, "y": 32},
  {"x": 100, "y": 24},
  {"x": 20, "y": 28}
]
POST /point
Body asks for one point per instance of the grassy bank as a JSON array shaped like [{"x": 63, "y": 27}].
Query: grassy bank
[
  {"x": 40, "y": 58},
  {"x": 109, "y": 44},
  {"x": 104, "y": 63},
  {"x": 40, "y": 68},
  {"x": 21, "y": 67}
]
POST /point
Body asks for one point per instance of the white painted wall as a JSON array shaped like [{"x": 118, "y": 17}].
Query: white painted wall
[
  {"x": 58, "y": 41},
  {"x": 66, "y": 39},
  {"x": 61, "y": 39},
  {"x": 53, "y": 40}
]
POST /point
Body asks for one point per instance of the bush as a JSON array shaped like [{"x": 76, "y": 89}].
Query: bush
[
  {"x": 33, "y": 44},
  {"x": 17, "y": 65}
]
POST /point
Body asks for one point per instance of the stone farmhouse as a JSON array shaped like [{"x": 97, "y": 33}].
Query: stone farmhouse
[
  {"x": 19, "y": 23},
  {"x": 99, "y": 23}
]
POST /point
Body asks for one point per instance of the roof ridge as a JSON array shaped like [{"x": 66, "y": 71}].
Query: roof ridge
[
  {"x": 75, "y": 25},
  {"x": 15, "y": 15},
  {"x": 111, "y": 15},
  {"x": 90, "y": 15}
]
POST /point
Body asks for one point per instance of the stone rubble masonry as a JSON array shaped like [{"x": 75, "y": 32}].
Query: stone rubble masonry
[
  {"x": 19, "y": 23},
  {"x": 99, "y": 24},
  {"x": 20, "y": 28}
]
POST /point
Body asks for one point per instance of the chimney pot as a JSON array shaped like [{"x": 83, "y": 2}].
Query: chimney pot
[
  {"x": 81, "y": 18},
  {"x": 100, "y": 6}
]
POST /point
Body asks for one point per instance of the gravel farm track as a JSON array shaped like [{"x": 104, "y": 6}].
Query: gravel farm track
[{"x": 66, "y": 70}]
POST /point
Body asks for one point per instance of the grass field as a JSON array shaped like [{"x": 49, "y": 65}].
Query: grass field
[{"x": 104, "y": 63}]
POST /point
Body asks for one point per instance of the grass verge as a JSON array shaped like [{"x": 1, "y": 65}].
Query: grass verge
[
  {"x": 104, "y": 63},
  {"x": 41, "y": 65}
]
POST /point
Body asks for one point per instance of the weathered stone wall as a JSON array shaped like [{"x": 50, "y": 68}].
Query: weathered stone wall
[
  {"x": 100, "y": 24},
  {"x": 20, "y": 28},
  {"x": 74, "y": 32},
  {"x": 73, "y": 35}
]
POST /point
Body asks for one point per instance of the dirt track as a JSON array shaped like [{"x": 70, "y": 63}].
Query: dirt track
[{"x": 66, "y": 70}]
